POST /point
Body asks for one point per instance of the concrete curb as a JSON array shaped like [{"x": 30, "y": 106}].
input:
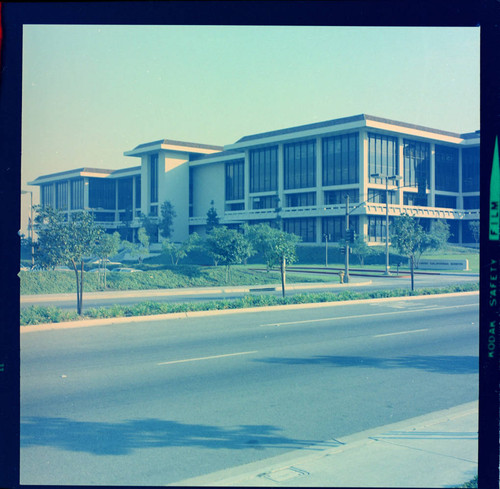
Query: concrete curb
[
  {"x": 418, "y": 445},
  {"x": 194, "y": 314}
]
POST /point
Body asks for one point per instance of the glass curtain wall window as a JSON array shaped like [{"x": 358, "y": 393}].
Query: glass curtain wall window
[
  {"x": 235, "y": 180},
  {"x": 336, "y": 197},
  {"x": 413, "y": 198},
  {"x": 378, "y": 196},
  {"x": 47, "y": 195},
  {"x": 447, "y": 201},
  {"x": 301, "y": 199},
  {"x": 470, "y": 169},
  {"x": 471, "y": 202},
  {"x": 300, "y": 165},
  {"x": 416, "y": 164},
  {"x": 264, "y": 169},
  {"x": 138, "y": 192},
  {"x": 335, "y": 227},
  {"x": 446, "y": 168},
  {"x": 303, "y": 227},
  {"x": 77, "y": 194},
  {"x": 62, "y": 195},
  {"x": 125, "y": 193},
  {"x": 382, "y": 156},
  {"x": 102, "y": 193},
  {"x": 376, "y": 228},
  {"x": 341, "y": 159},
  {"x": 153, "y": 178},
  {"x": 265, "y": 202}
]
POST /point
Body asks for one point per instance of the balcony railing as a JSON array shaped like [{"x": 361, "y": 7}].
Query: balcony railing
[{"x": 339, "y": 210}]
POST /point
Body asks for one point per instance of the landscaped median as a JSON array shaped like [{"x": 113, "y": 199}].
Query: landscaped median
[{"x": 42, "y": 314}]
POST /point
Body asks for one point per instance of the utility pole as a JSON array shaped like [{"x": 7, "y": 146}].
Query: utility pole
[
  {"x": 326, "y": 249},
  {"x": 346, "y": 278}
]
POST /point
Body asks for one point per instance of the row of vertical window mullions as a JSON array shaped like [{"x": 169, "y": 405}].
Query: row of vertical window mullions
[
  {"x": 153, "y": 178},
  {"x": 340, "y": 159},
  {"x": 235, "y": 180},
  {"x": 382, "y": 156},
  {"x": 264, "y": 169},
  {"x": 335, "y": 227},
  {"x": 300, "y": 165}
]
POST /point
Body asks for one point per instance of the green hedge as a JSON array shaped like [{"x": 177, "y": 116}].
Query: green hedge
[{"x": 42, "y": 314}]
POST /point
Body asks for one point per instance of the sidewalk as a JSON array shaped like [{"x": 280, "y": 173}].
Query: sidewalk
[{"x": 435, "y": 450}]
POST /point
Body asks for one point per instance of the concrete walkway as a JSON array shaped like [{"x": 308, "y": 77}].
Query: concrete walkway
[{"x": 435, "y": 450}]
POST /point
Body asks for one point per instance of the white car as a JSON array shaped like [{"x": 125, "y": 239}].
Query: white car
[{"x": 126, "y": 270}]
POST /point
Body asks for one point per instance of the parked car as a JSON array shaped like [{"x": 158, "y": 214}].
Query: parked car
[{"x": 126, "y": 270}]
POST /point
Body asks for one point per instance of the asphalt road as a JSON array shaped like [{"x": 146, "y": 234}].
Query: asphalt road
[
  {"x": 157, "y": 402},
  {"x": 378, "y": 283}
]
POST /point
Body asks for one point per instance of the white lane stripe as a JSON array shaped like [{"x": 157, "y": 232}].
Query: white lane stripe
[
  {"x": 401, "y": 332},
  {"x": 208, "y": 358},
  {"x": 369, "y": 315}
]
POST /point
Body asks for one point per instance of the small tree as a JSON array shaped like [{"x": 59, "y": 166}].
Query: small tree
[
  {"x": 107, "y": 245},
  {"x": 434, "y": 239},
  {"x": 179, "y": 251},
  {"x": 406, "y": 236},
  {"x": 227, "y": 247},
  {"x": 167, "y": 219},
  {"x": 212, "y": 218},
  {"x": 151, "y": 226},
  {"x": 360, "y": 249},
  {"x": 475, "y": 230},
  {"x": 277, "y": 247},
  {"x": 66, "y": 243}
]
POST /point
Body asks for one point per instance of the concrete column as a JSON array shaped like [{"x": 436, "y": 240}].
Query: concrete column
[
  {"x": 117, "y": 214},
  {"x": 432, "y": 183},
  {"x": 401, "y": 162},
  {"x": 363, "y": 166},
  {"x": 246, "y": 169},
  {"x": 86, "y": 192},
  {"x": 281, "y": 175},
  {"x": 460, "y": 198},
  {"x": 144, "y": 185},
  {"x": 320, "y": 197}
]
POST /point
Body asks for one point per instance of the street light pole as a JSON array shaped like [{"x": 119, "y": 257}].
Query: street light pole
[
  {"x": 30, "y": 226},
  {"x": 348, "y": 243},
  {"x": 387, "y": 178}
]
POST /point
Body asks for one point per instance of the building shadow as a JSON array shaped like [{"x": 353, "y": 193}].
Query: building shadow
[
  {"x": 122, "y": 438},
  {"x": 444, "y": 364}
]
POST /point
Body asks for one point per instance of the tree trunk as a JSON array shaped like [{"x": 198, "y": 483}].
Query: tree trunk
[
  {"x": 78, "y": 306},
  {"x": 412, "y": 273},
  {"x": 81, "y": 290},
  {"x": 283, "y": 276}
]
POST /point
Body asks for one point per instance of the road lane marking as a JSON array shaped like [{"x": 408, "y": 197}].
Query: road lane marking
[
  {"x": 400, "y": 332},
  {"x": 369, "y": 315},
  {"x": 207, "y": 358}
]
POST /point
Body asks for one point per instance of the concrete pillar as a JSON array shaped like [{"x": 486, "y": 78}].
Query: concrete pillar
[
  {"x": 432, "y": 170},
  {"x": 401, "y": 162},
  {"x": 86, "y": 193},
  {"x": 246, "y": 178},
  {"x": 281, "y": 175},
  {"x": 460, "y": 198}
]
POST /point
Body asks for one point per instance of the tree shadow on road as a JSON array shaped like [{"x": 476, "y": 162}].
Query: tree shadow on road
[
  {"x": 100, "y": 438},
  {"x": 443, "y": 364}
]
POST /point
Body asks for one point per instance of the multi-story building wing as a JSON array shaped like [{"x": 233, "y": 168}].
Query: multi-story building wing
[{"x": 300, "y": 176}]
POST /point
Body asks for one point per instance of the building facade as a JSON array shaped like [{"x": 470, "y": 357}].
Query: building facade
[{"x": 302, "y": 177}]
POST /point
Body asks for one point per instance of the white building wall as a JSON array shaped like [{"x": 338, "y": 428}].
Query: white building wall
[
  {"x": 173, "y": 185},
  {"x": 208, "y": 185}
]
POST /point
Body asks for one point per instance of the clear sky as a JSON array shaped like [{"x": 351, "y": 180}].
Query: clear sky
[{"x": 92, "y": 92}]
